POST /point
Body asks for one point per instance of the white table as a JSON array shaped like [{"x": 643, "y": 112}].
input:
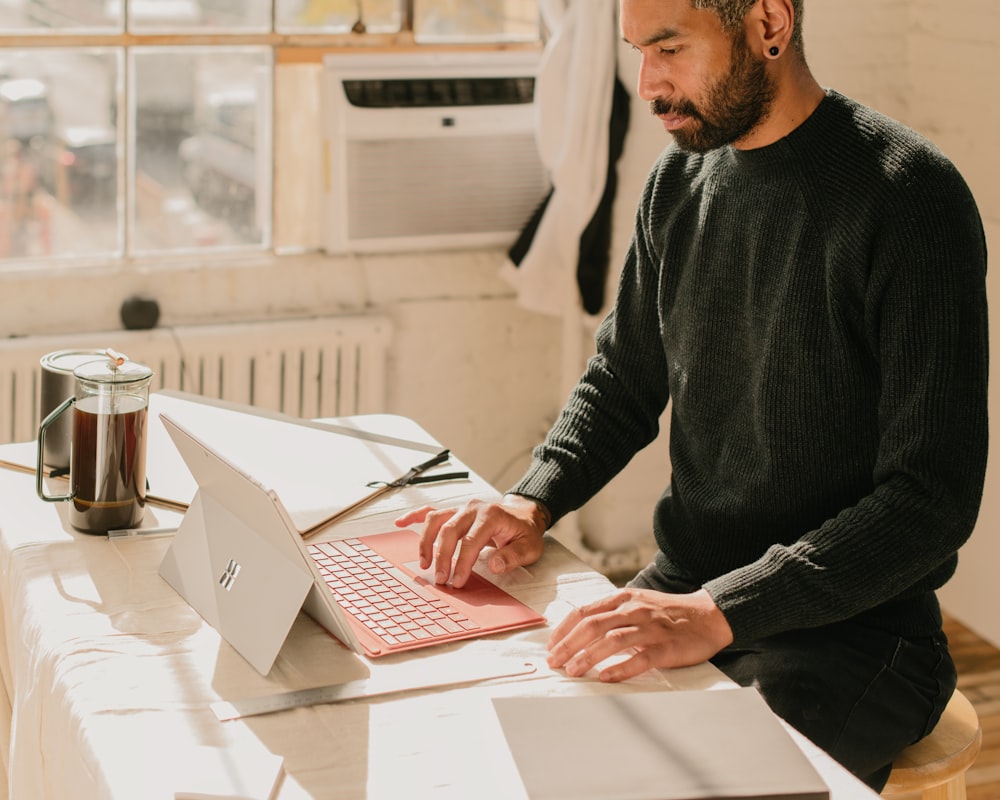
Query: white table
[{"x": 110, "y": 675}]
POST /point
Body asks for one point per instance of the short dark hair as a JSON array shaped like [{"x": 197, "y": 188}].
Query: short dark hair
[{"x": 733, "y": 12}]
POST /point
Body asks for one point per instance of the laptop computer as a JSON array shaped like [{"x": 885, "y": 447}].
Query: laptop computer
[{"x": 239, "y": 561}]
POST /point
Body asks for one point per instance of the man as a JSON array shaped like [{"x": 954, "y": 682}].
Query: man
[{"x": 806, "y": 286}]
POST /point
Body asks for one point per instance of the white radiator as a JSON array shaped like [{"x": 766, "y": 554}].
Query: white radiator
[{"x": 323, "y": 367}]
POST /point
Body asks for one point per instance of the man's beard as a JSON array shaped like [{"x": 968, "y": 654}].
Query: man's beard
[{"x": 736, "y": 105}]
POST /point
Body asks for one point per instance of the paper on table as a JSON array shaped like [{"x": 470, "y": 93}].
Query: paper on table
[
  {"x": 158, "y": 760},
  {"x": 316, "y": 469},
  {"x": 214, "y": 773},
  {"x": 674, "y": 745}
]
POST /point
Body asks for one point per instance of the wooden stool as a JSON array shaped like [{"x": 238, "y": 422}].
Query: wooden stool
[{"x": 935, "y": 766}]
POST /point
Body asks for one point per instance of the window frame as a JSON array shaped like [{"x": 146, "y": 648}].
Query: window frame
[{"x": 287, "y": 50}]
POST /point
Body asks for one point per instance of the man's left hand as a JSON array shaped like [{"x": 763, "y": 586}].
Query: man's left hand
[{"x": 663, "y": 630}]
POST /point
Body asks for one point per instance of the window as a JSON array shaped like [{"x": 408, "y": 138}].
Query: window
[{"x": 138, "y": 128}]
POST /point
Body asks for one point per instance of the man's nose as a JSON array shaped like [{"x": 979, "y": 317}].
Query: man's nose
[{"x": 653, "y": 82}]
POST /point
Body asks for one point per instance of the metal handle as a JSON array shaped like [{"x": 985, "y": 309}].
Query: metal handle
[{"x": 40, "y": 466}]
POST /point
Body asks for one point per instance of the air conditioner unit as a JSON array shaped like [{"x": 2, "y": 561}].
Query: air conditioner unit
[{"x": 429, "y": 150}]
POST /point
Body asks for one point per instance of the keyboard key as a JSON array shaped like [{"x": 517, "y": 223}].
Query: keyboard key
[{"x": 388, "y": 602}]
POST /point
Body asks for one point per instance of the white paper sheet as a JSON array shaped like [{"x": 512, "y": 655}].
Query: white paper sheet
[{"x": 655, "y": 746}]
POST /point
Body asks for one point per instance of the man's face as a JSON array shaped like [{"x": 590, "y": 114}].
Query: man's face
[{"x": 709, "y": 89}]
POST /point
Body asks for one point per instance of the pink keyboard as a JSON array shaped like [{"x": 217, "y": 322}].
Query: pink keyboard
[{"x": 383, "y": 598}]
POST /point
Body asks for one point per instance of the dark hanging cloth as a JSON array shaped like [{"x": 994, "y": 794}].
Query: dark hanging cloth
[
  {"x": 595, "y": 241},
  {"x": 520, "y": 248}
]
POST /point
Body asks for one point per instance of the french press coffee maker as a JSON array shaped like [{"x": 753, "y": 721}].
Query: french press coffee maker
[{"x": 107, "y": 476}]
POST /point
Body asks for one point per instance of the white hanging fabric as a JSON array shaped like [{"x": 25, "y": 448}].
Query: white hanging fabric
[{"x": 573, "y": 101}]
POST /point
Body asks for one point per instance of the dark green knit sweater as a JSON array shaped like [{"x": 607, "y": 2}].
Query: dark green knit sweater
[{"x": 815, "y": 311}]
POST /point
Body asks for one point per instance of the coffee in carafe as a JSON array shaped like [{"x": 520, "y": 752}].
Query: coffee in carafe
[
  {"x": 109, "y": 462},
  {"x": 108, "y": 444}
]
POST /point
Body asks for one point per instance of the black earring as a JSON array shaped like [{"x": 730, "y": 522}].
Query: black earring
[{"x": 774, "y": 51}]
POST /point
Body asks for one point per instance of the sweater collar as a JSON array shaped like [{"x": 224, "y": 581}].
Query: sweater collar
[{"x": 785, "y": 153}]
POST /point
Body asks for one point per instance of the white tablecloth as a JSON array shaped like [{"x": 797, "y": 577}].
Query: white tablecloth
[{"x": 111, "y": 674}]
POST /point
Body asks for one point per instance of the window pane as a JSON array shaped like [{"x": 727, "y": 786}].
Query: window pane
[
  {"x": 165, "y": 16},
  {"x": 202, "y": 148},
  {"x": 60, "y": 170},
  {"x": 236, "y": 15},
  {"x": 339, "y": 16},
  {"x": 146, "y": 16},
  {"x": 38, "y": 16},
  {"x": 475, "y": 20}
]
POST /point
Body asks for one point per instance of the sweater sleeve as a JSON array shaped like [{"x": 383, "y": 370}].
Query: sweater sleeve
[
  {"x": 925, "y": 321},
  {"x": 614, "y": 410}
]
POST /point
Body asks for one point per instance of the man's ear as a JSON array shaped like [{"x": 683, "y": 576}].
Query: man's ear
[{"x": 771, "y": 25}]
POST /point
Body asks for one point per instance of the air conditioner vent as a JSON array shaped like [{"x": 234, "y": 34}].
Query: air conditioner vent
[
  {"x": 403, "y": 188},
  {"x": 438, "y": 92},
  {"x": 429, "y": 150}
]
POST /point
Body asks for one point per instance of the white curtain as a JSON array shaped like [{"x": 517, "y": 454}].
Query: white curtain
[{"x": 573, "y": 98}]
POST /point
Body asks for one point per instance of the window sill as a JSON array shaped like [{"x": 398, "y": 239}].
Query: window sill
[{"x": 215, "y": 288}]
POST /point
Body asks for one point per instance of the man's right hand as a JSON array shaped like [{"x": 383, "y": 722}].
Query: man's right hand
[{"x": 514, "y": 526}]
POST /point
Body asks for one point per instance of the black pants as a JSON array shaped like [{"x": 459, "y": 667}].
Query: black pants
[{"x": 859, "y": 693}]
